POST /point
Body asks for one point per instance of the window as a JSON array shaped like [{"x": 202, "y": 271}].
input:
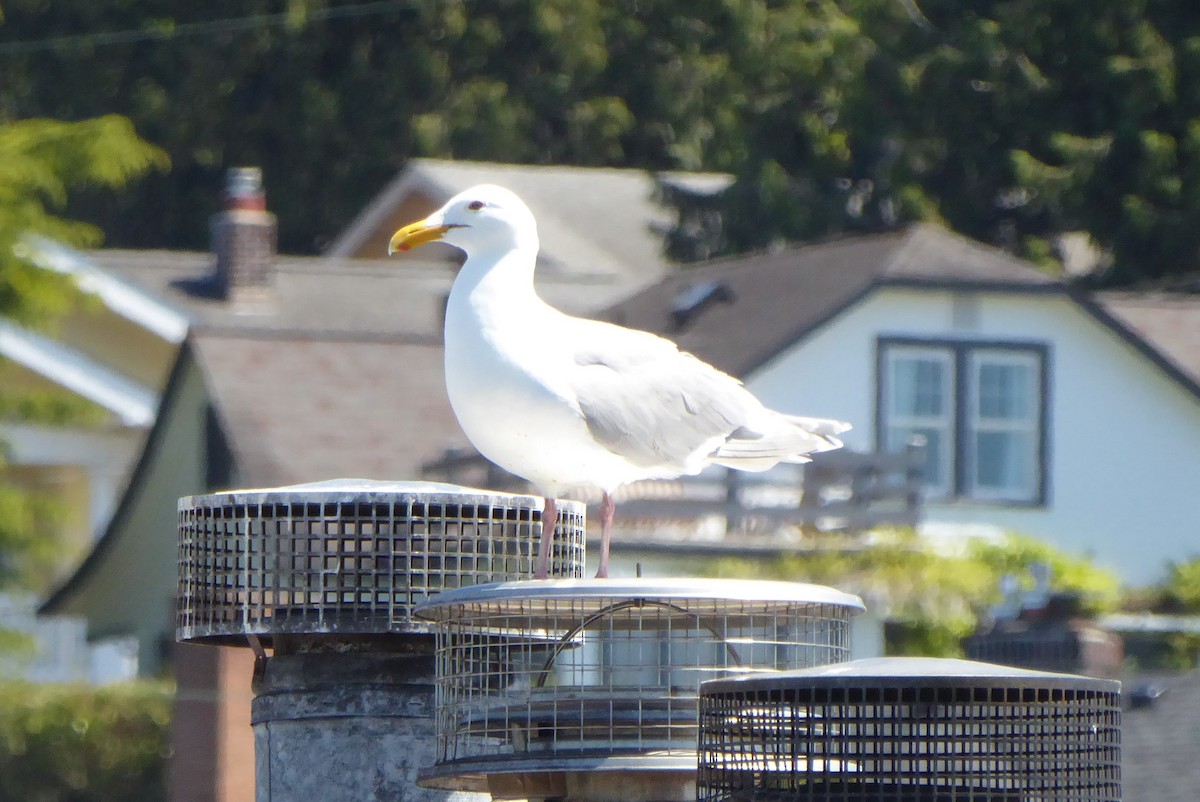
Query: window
[{"x": 980, "y": 408}]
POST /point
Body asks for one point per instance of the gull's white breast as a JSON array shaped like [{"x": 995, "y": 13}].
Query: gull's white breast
[{"x": 506, "y": 365}]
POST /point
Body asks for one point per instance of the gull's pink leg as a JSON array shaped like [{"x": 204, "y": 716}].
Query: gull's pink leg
[
  {"x": 607, "y": 508},
  {"x": 549, "y": 523}
]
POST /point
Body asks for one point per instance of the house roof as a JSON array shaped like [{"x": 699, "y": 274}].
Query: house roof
[
  {"x": 314, "y": 294},
  {"x": 1161, "y": 740},
  {"x": 131, "y": 403},
  {"x": 302, "y": 409},
  {"x": 128, "y": 301},
  {"x": 760, "y": 304},
  {"x": 605, "y": 224},
  {"x": 1170, "y": 321},
  {"x": 309, "y": 295}
]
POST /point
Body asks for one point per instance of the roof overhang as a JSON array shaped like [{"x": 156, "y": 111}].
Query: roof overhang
[
  {"x": 130, "y": 402},
  {"x": 125, "y": 300}
]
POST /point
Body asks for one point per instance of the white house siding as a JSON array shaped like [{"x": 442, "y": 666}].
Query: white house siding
[{"x": 1124, "y": 482}]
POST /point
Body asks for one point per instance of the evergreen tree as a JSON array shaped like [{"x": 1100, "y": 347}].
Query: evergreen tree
[{"x": 1013, "y": 121}]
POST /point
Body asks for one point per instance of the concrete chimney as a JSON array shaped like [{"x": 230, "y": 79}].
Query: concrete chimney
[{"x": 243, "y": 237}]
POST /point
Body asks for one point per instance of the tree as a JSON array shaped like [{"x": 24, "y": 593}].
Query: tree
[
  {"x": 332, "y": 106},
  {"x": 41, "y": 161},
  {"x": 1012, "y": 121}
]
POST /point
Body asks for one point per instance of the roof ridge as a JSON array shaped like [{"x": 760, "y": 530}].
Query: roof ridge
[
  {"x": 975, "y": 262},
  {"x": 899, "y": 254},
  {"x": 792, "y": 248}
]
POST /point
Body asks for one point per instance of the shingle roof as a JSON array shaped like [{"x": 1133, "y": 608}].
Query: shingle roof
[
  {"x": 376, "y": 297},
  {"x": 1160, "y": 743},
  {"x": 931, "y": 254},
  {"x": 310, "y": 294},
  {"x": 775, "y": 298},
  {"x": 302, "y": 409},
  {"x": 1170, "y": 321},
  {"x": 603, "y": 223}
]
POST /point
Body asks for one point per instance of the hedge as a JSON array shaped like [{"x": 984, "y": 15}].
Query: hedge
[{"x": 73, "y": 743}]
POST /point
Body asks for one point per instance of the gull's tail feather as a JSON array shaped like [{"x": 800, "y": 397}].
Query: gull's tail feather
[
  {"x": 792, "y": 442},
  {"x": 821, "y": 426}
]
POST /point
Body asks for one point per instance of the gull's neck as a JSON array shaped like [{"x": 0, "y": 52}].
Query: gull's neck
[{"x": 491, "y": 286}]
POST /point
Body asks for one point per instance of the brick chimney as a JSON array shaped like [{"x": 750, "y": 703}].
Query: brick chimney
[{"x": 243, "y": 237}]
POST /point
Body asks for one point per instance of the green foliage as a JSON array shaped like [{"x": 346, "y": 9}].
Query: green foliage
[
  {"x": 1182, "y": 652},
  {"x": 934, "y": 595},
  {"x": 1099, "y": 590},
  {"x": 1011, "y": 120},
  {"x": 78, "y": 744},
  {"x": 28, "y": 546},
  {"x": 41, "y": 163},
  {"x": 1181, "y": 591},
  {"x": 51, "y": 408}
]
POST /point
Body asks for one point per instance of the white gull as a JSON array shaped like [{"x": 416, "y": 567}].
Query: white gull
[{"x": 572, "y": 404}]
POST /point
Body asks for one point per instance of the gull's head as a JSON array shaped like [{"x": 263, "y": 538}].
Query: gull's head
[{"x": 482, "y": 217}]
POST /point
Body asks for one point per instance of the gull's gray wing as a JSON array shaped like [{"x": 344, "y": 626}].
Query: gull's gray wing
[
  {"x": 656, "y": 406},
  {"x": 658, "y": 411}
]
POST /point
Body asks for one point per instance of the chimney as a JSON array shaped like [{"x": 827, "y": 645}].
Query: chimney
[{"x": 243, "y": 237}]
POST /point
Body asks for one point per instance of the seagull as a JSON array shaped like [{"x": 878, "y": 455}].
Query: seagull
[{"x": 572, "y": 404}]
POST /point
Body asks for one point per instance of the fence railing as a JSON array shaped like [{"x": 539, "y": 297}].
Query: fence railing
[{"x": 839, "y": 491}]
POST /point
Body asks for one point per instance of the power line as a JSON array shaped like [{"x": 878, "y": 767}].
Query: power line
[{"x": 186, "y": 29}]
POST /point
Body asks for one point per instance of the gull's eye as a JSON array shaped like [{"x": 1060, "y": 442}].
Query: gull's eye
[{"x": 475, "y": 206}]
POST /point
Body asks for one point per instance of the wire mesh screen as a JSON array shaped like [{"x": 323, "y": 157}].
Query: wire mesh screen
[
  {"x": 871, "y": 737},
  {"x": 352, "y": 559},
  {"x": 560, "y": 671}
]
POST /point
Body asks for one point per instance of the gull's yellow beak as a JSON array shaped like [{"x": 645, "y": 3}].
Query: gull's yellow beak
[{"x": 417, "y": 234}]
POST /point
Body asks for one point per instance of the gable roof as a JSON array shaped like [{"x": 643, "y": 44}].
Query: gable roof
[
  {"x": 769, "y": 300},
  {"x": 309, "y": 295},
  {"x": 597, "y": 223}
]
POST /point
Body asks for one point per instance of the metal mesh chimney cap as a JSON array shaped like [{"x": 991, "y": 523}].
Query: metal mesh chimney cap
[
  {"x": 590, "y": 594},
  {"x": 546, "y": 684},
  {"x": 907, "y": 729},
  {"x": 351, "y": 557}
]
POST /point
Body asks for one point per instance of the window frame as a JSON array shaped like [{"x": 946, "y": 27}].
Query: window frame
[{"x": 964, "y": 392}]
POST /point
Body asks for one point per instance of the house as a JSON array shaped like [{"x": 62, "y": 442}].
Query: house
[
  {"x": 300, "y": 369},
  {"x": 603, "y": 228},
  {"x": 1044, "y": 410},
  {"x": 107, "y": 360},
  {"x": 1027, "y": 392},
  {"x": 294, "y": 369}
]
